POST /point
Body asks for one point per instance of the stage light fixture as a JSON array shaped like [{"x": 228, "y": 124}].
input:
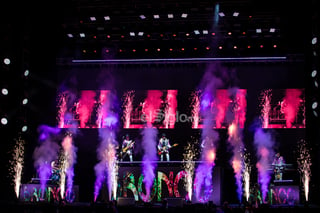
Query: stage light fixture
[
  {"x": 25, "y": 101},
  {"x": 70, "y": 35},
  {"x": 26, "y": 73},
  {"x": 82, "y": 35},
  {"x": 106, "y": 18},
  {"x": 258, "y": 30},
  {"x": 132, "y": 34},
  {"x": 272, "y": 30},
  {"x": 6, "y": 61},
  {"x": 314, "y": 73},
  {"x": 184, "y": 15},
  {"x": 229, "y": 33},
  {"x": 156, "y": 16},
  {"x": 274, "y": 46},
  {"x": 4, "y": 91},
  {"x": 142, "y": 17},
  {"x": 236, "y": 14},
  {"x": 140, "y": 33},
  {"x": 196, "y": 32},
  {"x": 316, "y": 84},
  {"x": 170, "y": 15},
  {"x": 92, "y": 18},
  {"x": 221, "y": 14},
  {"x": 314, "y": 40},
  {"x": 205, "y": 32},
  {"x": 4, "y": 121},
  {"x": 314, "y": 105},
  {"x": 24, "y": 128},
  {"x": 235, "y": 47}
]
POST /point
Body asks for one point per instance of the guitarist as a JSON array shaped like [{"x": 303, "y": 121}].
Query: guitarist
[
  {"x": 127, "y": 148},
  {"x": 163, "y": 147}
]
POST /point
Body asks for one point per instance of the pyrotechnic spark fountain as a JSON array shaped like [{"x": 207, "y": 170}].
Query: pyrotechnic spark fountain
[
  {"x": 103, "y": 104},
  {"x": 127, "y": 108},
  {"x": 16, "y": 164},
  {"x": 62, "y": 105},
  {"x": 67, "y": 162},
  {"x": 304, "y": 165},
  {"x": 264, "y": 145},
  {"x": 265, "y": 107},
  {"x": 190, "y": 153},
  {"x": 246, "y": 173},
  {"x": 107, "y": 162},
  {"x": 170, "y": 110},
  {"x": 195, "y": 108},
  {"x": 149, "y": 143},
  {"x": 235, "y": 140},
  {"x": 45, "y": 153}
]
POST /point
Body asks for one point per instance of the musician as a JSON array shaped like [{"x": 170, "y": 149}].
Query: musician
[
  {"x": 127, "y": 148},
  {"x": 163, "y": 147},
  {"x": 278, "y": 166}
]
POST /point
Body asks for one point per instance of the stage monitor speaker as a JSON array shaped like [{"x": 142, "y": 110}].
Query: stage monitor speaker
[
  {"x": 175, "y": 202},
  {"x": 125, "y": 201}
]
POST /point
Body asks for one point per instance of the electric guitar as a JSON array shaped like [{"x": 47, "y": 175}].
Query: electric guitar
[
  {"x": 165, "y": 148},
  {"x": 129, "y": 145}
]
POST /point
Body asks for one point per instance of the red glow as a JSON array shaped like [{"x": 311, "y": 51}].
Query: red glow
[
  {"x": 229, "y": 33},
  {"x": 170, "y": 110},
  {"x": 86, "y": 104},
  {"x": 195, "y": 48},
  {"x": 220, "y": 47},
  {"x": 241, "y": 106},
  {"x": 158, "y": 49},
  {"x": 94, "y": 36},
  {"x": 101, "y": 112},
  {"x": 187, "y": 34},
  {"x": 264, "y": 152},
  {"x": 146, "y": 50},
  {"x": 213, "y": 34},
  {"x": 274, "y": 46},
  {"x": 235, "y": 47},
  {"x": 208, "y": 48},
  {"x": 151, "y": 105},
  {"x": 134, "y": 50},
  {"x": 174, "y": 35},
  {"x": 261, "y": 46},
  {"x": 161, "y": 35},
  {"x": 211, "y": 156},
  {"x": 243, "y": 33},
  {"x": 182, "y": 49},
  {"x": 249, "y": 46},
  {"x": 108, "y": 36},
  {"x": 170, "y": 49},
  {"x": 222, "y": 102},
  {"x": 290, "y": 105},
  {"x": 107, "y": 50}
]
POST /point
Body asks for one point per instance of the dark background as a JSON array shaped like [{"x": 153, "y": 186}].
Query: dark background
[{"x": 34, "y": 38}]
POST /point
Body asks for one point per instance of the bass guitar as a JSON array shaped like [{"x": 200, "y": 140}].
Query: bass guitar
[{"x": 165, "y": 148}]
